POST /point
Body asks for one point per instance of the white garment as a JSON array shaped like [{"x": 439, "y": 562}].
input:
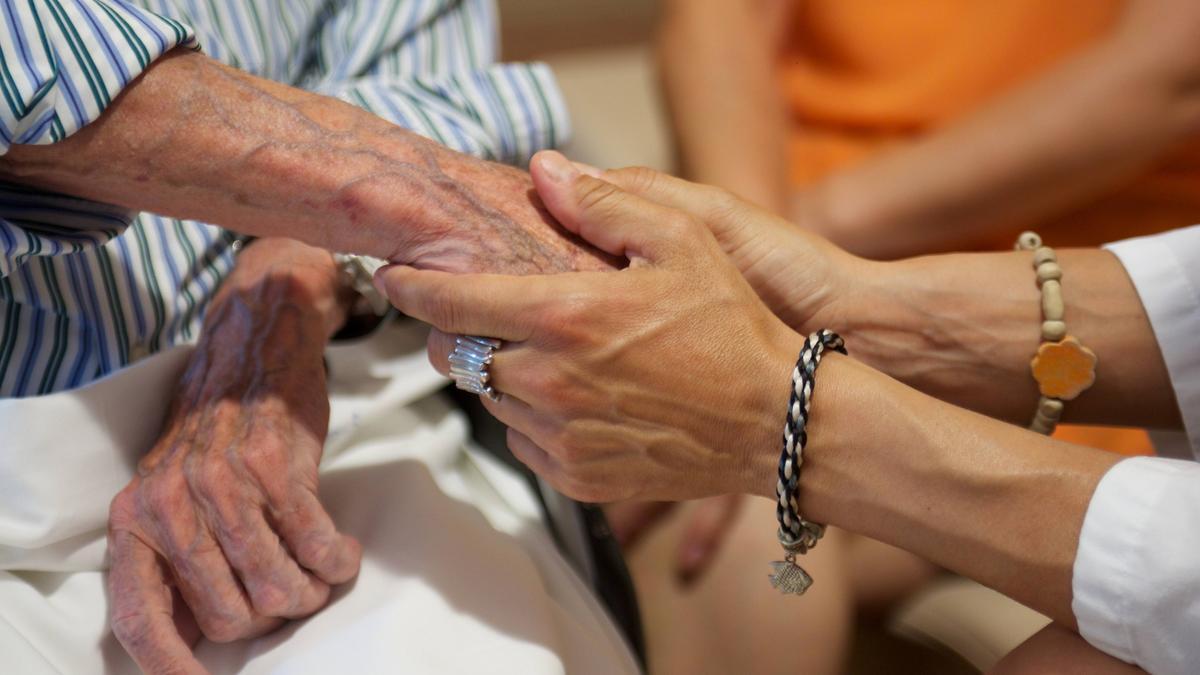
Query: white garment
[
  {"x": 459, "y": 574},
  {"x": 1137, "y": 571}
]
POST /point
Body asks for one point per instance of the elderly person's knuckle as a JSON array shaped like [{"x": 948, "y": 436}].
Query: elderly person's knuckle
[
  {"x": 224, "y": 628},
  {"x": 226, "y": 618},
  {"x": 214, "y": 477},
  {"x": 270, "y": 599},
  {"x": 266, "y": 456},
  {"x": 123, "y": 510},
  {"x": 131, "y": 628},
  {"x": 237, "y": 538},
  {"x": 318, "y": 550},
  {"x": 164, "y": 498}
]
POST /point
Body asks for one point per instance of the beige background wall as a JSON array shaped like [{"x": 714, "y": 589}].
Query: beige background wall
[
  {"x": 537, "y": 27},
  {"x": 600, "y": 51}
]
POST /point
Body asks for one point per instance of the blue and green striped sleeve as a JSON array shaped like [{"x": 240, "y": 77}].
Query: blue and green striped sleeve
[
  {"x": 431, "y": 67},
  {"x": 62, "y": 62}
]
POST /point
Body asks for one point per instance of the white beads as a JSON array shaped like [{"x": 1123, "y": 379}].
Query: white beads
[
  {"x": 1028, "y": 241},
  {"x": 1054, "y": 327},
  {"x": 1049, "y": 411},
  {"x": 1044, "y": 255},
  {"x": 1049, "y": 271},
  {"x": 1053, "y": 331},
  {"x": 1052, "y": 301},
  {"x": 1051, "y": 407}
]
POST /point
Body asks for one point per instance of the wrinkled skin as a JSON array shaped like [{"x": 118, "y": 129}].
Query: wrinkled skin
[
  {"x": 641, "y": 383},
  {"x": 223, "y": 513},
  {"x": 192, "y": 138}
]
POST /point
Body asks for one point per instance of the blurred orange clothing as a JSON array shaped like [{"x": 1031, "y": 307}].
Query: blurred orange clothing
[{"x": 860, "y": 75}]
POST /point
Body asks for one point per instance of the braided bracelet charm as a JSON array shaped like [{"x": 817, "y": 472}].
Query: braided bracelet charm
[{"x": 797, "y": 535}]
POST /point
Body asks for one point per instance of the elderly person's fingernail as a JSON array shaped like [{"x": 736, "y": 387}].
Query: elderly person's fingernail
[
  {"x": 557, "y": 168},
  {"x": 589, "y": 170}
]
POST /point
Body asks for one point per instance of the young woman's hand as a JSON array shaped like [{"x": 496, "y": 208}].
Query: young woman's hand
[
  {"x": 666, "y": 380},
  {"x": 804, "y": 279}
]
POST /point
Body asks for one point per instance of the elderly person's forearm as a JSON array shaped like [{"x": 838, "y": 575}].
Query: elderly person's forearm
[{"x": 192, "y": 138}]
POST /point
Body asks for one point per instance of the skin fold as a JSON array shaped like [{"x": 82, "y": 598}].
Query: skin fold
[{"x": 609, "y": 408}]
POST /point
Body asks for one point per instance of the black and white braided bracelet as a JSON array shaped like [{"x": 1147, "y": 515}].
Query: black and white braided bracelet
[{"x": 796, "y": 534}]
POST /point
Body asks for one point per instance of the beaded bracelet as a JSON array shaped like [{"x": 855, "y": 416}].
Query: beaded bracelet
[
  {"x": 796, "y": 534},
  {"x": 1063, "y": 368}
]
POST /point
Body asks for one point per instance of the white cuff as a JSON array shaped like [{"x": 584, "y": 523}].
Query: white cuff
[
  {"x": 1163, "y": 268},
  {"x": 1137, "y": 570}
]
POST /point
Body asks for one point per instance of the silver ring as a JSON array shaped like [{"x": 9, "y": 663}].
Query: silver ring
[{"x": 469, "y": 364}]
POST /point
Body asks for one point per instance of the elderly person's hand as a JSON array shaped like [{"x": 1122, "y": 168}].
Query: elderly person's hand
[
  {"x": 224, "y": 507},
  {"x": 645, "y": 382}
]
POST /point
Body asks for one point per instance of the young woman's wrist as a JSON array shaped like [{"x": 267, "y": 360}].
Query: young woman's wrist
[
  {"x": 763, "y": 444},
  {"x": 961, "y": 328}
]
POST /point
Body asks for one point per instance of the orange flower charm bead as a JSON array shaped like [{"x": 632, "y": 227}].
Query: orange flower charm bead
[{"x": 1065, "y": 369}]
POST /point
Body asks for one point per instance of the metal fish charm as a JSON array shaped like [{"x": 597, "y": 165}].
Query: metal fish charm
[{"x": 789, "y": 577}]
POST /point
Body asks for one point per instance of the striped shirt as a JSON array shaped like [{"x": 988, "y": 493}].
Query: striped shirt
[{"x": 88, "y": 288}]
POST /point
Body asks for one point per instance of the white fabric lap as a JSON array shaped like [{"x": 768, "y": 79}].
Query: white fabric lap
[{"x": 459, "y": 573}]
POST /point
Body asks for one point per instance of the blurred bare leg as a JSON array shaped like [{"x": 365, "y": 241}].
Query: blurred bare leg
[
  {"x": 1057, "y": 651},
  {"x": 730, "y": 620},
  {"x": 883, "y": 575}
]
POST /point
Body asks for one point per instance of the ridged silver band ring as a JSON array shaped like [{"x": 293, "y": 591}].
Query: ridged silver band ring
[{"x": 469, "y": 364}]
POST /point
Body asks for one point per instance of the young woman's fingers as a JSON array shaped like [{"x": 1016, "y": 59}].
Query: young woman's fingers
[
  {"x": 488, "y": 305},
  {"x": 519, "y": 416},
  {"x": 532, "y": 456},
  {"x": 505, "y": 373},
  {"x": 723, "y": 212},
  {"x": 616, "y": 221},
  {"x": 677, "y": 193}
]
